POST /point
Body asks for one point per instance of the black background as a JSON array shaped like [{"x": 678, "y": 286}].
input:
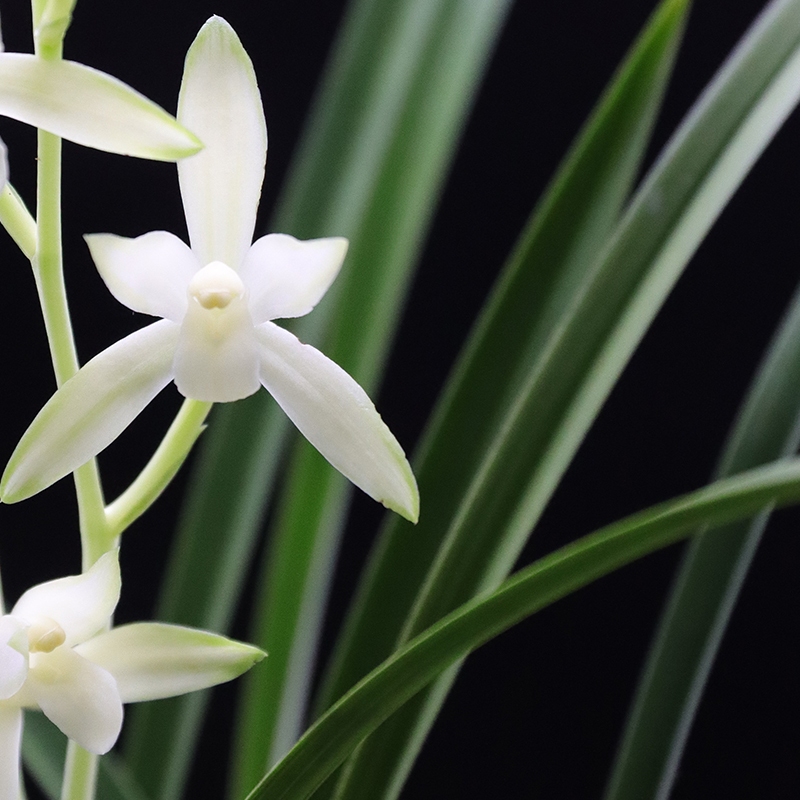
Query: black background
[{"x": 536, "y": 713}]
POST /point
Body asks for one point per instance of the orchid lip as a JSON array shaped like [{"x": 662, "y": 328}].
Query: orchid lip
[
  {"x": 45, "y": 635},
  {"x": 215, "y": 286}
]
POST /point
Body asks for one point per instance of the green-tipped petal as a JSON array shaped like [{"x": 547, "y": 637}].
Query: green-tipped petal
[
  {"x": 91, "y": 409},
  {"x": 219, "y": 100},
  {"x": 334, "y": 413},
  {"x": 89, "y": 107},
  {"x": 150, "y": 660}
]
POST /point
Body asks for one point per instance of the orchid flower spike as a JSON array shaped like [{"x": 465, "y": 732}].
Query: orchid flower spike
[
  {"x": 86, "y": 106},
  {"x": 216, "y": 340},
  {"x": 57, "y": 654}
]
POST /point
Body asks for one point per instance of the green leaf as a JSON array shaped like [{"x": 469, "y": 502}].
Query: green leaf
[
  {"x": 43, "y": 752},
  {"x": 326, "y": 744},
  {"x": 544, "y": 275},
  {"x": 702, "y": 600},
  {"x": 426, "y": 60},
  {"x": 369, "y": 168},
  {"x": 554, "y": 400},
  {"x": 89, "y": 107}
]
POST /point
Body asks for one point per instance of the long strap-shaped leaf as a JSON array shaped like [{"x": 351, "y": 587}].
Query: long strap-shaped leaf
[
  {"x": 566, "y": 386},
  {"x": 544, "y": 274},
  {"x": 699, "y": 607},
  {"x": 326, "y": 744},
  {"x": 441, "y": 63},
  {"x": 370, "y": 168}
]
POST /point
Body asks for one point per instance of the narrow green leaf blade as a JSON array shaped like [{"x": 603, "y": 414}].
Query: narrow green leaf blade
[
  {"x": 562, "y": 393},
  {"x": 702, "y": 600},
  {"x": 326, "y": 744},
  {"x": 429, "y": 57},
  {"x": 543, "y": 276},
  {"x": 43, "y": 751}
]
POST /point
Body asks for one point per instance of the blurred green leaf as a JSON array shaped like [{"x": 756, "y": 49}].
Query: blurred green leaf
[
  {"x": 563, "y": 384},
  {"x": 426, "y": 60},
  {"x": 371, "y": 166},
  {"x": 545, "y": 275},
  {"x": 326, "y": 744},
  {"x": 43, "y": 751},
  {"x": 702, "y": 600}
]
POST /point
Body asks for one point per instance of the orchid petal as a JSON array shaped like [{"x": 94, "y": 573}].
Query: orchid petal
[
  {"x": 81, "y": 698},
  {"x": 3, "y": 165},
  {"x": 13, "y": 656},
  {"x": 151, "y": 660},
  {"x": 81, "y": 604},
  {"x": 217, "y": 355},
  {"x": 10, "y": 741},
  {"x": 89, "y": 107},
  {"x": 148, "y": 274},
  {"x": 219, "y": 100},
  {"x": 334, "y": 413},
  {"x": 286, "y": 277},
  {"x": 91, "y": 409}
]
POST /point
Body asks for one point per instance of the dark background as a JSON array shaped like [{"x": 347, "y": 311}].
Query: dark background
[{"x": 536, "y": 713}]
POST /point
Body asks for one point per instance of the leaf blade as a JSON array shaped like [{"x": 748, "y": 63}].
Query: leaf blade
[
  {"x": 701, "y": 602},
  {"x": 338, "y": 731},
  {"x": 687, "y": 188}
]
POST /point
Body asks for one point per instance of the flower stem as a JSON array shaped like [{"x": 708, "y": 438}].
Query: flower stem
[
  {"x": 166, "y": 461},
  {"x": 47, "y": 265},
  {"x": 80, "y": 774},
  {"x": 80, "y": 770}
]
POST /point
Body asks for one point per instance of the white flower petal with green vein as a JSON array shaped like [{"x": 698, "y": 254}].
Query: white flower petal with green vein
[
  {"x": 91, "y": 409},
  {"x": 80, "y": 604},
  {"x": 79, "y": 678},
  {"x": 79, "y": 697},
  {"x": 334, "y": 413},
  {"x": 219, "y": 101},
  {"x": 148, "y": 274},
  {"x": 89, "y": 107},
  {"x": 286, "y": 277},
  {"x": 150, "y": 660},
  {"x": 10, "y": 741}
]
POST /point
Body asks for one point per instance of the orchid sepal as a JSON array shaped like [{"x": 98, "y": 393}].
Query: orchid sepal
[
  {"x": 152, "y": 660},
  {"x": 90, "y": 410},
  {"x": 89, "y": 107}
]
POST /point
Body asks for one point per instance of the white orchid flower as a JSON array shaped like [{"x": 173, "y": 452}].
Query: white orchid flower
[
  {"x": 57, "y": 654},
  {"x": 216, "y": 339},
  {"x": 89, "y": 107}
]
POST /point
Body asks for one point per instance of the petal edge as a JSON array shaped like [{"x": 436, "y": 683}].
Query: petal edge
[
  {"x": 91, "y": 409},
  {"x": 334, "y": 413}
]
